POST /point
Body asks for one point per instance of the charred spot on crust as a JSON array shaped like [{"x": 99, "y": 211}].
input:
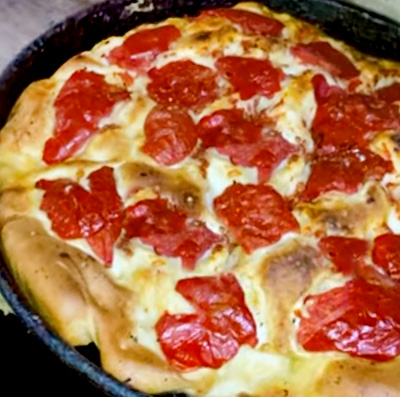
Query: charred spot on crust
[
  {"x": 175, "y": 185},
  {"x": 396, "y": 139},
  {"x": 294, "y": 266},
  {"x": 190, "y": 199},
  {"x": 342, "y": 217},
  {"x": 202, "y": 36},
  {"x": 288, "y": 273}
]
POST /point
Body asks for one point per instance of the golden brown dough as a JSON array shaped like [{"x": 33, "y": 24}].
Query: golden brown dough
[
  {"x": 360, "y": 378},
  {"x": 287, "y": 273},
  {"x": 81, "y": 303},
  {"x": 14, "y": 202},
  {"x": 29, "y": 125},
  {"x": 340, "y": 215}
]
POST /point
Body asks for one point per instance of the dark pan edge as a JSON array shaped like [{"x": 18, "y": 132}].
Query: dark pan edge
[
  {"x": 62, "y": 350},
  {"x": 11, "y": 87}
]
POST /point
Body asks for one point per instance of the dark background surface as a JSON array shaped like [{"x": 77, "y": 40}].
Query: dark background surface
[
  {"x": 30, "y": 369},
  {"x": 22, "y": 20}
]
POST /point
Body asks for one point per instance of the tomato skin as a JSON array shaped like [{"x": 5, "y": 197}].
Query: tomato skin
[
  {"x": 171, "y": 135},
  {"x": 240, "y": 139},
  {"x": 347, "y": 120},
  {"x": 158, "y": 223},
  {"x": 183, "y": 84},
  {"x": 256, "y": 215},
  {"x": 190, "y": 244},
  {"x": 95, "y": 215},
  {"x": 250, "y": 22},
  {"x": 65, "y": 203},
  {"x": 82, "y": 102},
  {"x": 250, "y": 76},
  {"x": 228, "y": 127},
  {"x": 321, "y": 53},
  {"x": 344, "y": 171},
  {"x": 266, "y": 154},
  {"x": 390, "y": 93},
  {"x": 386, "y": 254},
  {"x": 212, "y": 336},
  {"x": 102, "y": 185},
  {"x": 345, "y": 252},
  {"x": 153, "y": 216},
  {"x": 358, "y": 318},
  {"x": 142, "y": 47}
]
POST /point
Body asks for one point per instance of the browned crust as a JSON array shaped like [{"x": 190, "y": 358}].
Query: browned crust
[
  {"x": 287, "y": 273},
  {"x": 359, "y": 378},
  {"x": 176, "y": 184},
  {"x": 341, "y": 217},
  {"x": 77, "y": 298},
  {"x": 13, "y": 202},
  {"x": 29, "y": 125},
  {"x": 29, "y": 118}
]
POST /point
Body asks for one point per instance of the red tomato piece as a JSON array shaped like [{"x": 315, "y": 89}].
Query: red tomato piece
[
  {"x": 102, "y": 186},
  {"x": 188, "y": 344},
  {"x": 126, "y": 78},
  {"x": 153, "y": 217},
  {"x": 228, "y": 127},
  {"x": 183, "y": 84},
  {"x": 189, "y": 244},
  {"x": 346, "y": 253},
  {"x": 375, "y": 275},
  {"x": 240, "y": 139},
  {"x": 266, "y": 154},
  {"x": 250, "y": 76},
  {"x": 321, "y": 53},
  {"x": 141, "y": 48},
  {"x": 250, "y": 22},
  {"x": 386, "y": 254},
  {"x": 344, "y": 171},
  {"x": 76, "y": 213},
  {"x": 83, "y": 101},
  {"x": 167, "y": 229},
  {"x": 212, "y": 293},
  {"x": 390, "y": 93},
  {"x": 256, "y": 215},
  {"x": 360, "y": 319},
  {"x": 65, "y": 203},
  {"x": 213, "y": 335},
  {"x": 193, "y": 243},
  {"x": 171, "y": 135},
  {"x": 344, "y": 120}
]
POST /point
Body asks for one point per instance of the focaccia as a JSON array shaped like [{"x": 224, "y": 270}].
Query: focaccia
[{"x": 214, "y": 202}]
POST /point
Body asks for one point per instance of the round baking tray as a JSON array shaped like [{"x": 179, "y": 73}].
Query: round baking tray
[{"x": 366, "y": 31}]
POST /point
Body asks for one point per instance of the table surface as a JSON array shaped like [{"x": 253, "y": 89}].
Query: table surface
[
  {"x": 23, "y": 20},
  {"x": 30, "y": 367}
]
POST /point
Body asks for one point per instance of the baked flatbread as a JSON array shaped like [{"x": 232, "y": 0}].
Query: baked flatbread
[{"x": 214, "y": 202}]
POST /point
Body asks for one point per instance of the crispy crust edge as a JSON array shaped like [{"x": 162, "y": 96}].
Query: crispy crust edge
[{"x": 78, "y": 300}]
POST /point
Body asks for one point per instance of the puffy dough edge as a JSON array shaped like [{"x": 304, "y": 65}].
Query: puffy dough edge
[
  {"x": 78, "y": 300},
  {"x": 28, "y": 126}
]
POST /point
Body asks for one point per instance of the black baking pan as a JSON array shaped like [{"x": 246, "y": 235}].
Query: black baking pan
[{"x": 366, "y": 31}]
